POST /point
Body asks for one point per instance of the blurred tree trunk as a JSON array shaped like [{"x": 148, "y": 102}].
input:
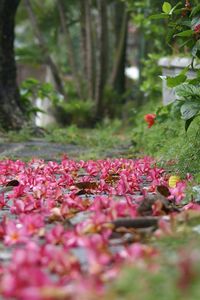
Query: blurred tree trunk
[
  {"x": 11, "y": 111},
  {"x": 117, "y": 78},
  {"x": 102, "y": 61},
  {"x": 70, "y": 51},
  {"x": 49, "y": 61},
  {"x": 120, "y": 16},
  {"x": 90, "y": 59},
  {"x": 83, "y": 37}
]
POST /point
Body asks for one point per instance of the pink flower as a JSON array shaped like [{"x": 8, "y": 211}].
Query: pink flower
[
  {"x": 61, "y": 241},
  {"x": 165, "y": 228},
  {"x": 32, "y": 223},
  {"x": 25, "y": 205},
  {"x": 123, "y": 185},
  {"x": 177, "y": 193},
  {"x": 192, "y": 206},
  {"x": 3, "y": 201},
  {"x": 137, "y": 252},
  {"x": 19, "y": 284},
  {"x": 55, "y": 235},
  {"x": 14, "y": 233},
  {"x": 186, "y": 266},
  {"x": 18, "y": 191}
]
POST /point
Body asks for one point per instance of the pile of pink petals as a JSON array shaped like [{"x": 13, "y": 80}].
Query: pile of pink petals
[{"x": 55, "y": 232}]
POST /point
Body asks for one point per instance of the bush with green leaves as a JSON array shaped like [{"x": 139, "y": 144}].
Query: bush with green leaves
[
  {"x": 31, "y": 89},
  {"x": 167, "y": 140},
  {"x": 184, "y": 32},
  {"x": 151, "y": 46},
  {"x": 75, "y": 111},
  {"x": 150, "y": 70},
  {"x": 188, "y": 101}
]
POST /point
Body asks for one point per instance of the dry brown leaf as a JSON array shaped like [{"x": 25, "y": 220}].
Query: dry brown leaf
[{"x": 87, "y": 185}]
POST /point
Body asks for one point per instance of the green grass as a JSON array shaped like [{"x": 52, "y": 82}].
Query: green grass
[
  {"x": 138, "y": 283},
  {"x": 168, "y": 141},
  {"x": 107, "y": 139},
  {"x": 99, "y": 141}
]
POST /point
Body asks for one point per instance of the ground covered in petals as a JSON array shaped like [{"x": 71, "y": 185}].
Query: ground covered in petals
[{"x": 68, "y": 229}]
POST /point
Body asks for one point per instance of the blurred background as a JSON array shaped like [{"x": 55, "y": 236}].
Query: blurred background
[{"x": 84, "y": 61}]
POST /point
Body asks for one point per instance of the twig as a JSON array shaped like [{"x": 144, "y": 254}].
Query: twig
[{"x": 140, "y": 222}]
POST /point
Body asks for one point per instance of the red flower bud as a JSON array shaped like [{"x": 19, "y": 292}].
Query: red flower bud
[
  {"x": 150, "y": 119},
  {"x": 197, "y": 28}
]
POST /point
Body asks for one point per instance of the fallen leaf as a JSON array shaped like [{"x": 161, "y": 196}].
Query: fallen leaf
[
  {"x": 89, "y": 185},
  {"x": 163, "y": 190},
  {"x": 13, "y": 182}
]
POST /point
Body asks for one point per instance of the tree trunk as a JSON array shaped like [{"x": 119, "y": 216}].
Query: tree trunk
[
  {"x": 70, "y": 51},
  {"x": 101, "y": 73},
  {"x": 117, "y": 75},
  {"x": 11, "y": 110},
  {"x": 83, "y": 42},
  {"x": 90, "y": 62},
  {"x": 49, "y": 61},
  {"x": 120, "y": 80}
]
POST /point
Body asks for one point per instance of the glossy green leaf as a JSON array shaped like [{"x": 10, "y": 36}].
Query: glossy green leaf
[
  {"x": 195, "y": 22},
  {"x": 188, "y": 122},
  {"x": 174, "y": 81},
  {"x": 195, "y": 10},
  {"x": 196, "y": 48},
  {"x": 186, "y": 91},
  {"x": 185, "y": 70},
  {"x": 166, "y": 7},
  {"x": 159, "y": 16},
  {"x": 185, "y": 33},
  {"x": 186, "y": 23},
  {"x": 189, "y": 110},
  {"x": 175, "y": 7}
]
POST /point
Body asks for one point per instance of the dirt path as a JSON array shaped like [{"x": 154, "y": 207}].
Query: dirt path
[{"x": 52, "y": 151}]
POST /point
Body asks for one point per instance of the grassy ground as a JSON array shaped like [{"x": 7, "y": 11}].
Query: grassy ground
[
  {"x": 109, "y": 139},
  {"x": 166, "y": 142},
  {"x": 177, "y": 277}
]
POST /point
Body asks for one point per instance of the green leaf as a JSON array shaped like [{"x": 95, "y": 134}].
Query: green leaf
[
  {"x": 174, "y": 81},
  {"x": 196, "y": 48},
  {"x": 34, "y": 110},
  {"x": 185, "y": 70},
  {"x": 195, "y": 10},
  {"x": 194, "y": 81},
  {"x": 195, "y": 22},
  {"x": 189, "y": 110},
  {"x": 159, "y": 16},
  {"x": 170, "y": 34},
  {"x": 188, "y": 122},
  {"x": 185, "y": 33},
  {"x": 188, "y": 42},
  {"x": 178, "y": 11},
  {"x": 175, "y": 7},
  {"x": 166, "y": 7},
  {"x": 186, "y": 23},
  {"x": 186, "y": 91}
]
